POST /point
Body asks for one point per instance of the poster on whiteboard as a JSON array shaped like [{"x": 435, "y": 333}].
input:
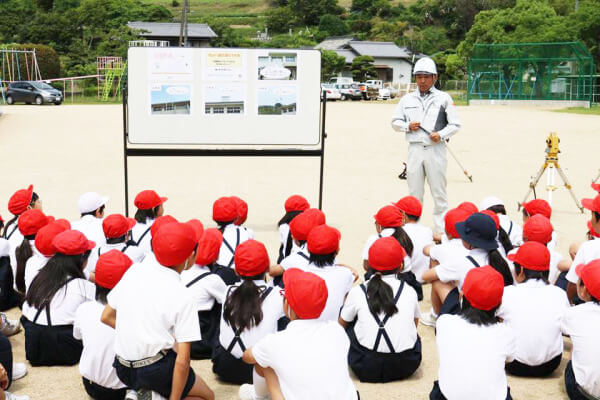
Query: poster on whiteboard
[{"x": 213, "y": 96}]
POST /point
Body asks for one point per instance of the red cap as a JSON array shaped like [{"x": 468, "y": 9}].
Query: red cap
[
  {"x": 45, "y": 236},
  {"x": 538, "y": 229},
  {"x": 147, "y": 199},
  {"x": 493, "y": 215},
  {"x": 173, "y": 243},
  {"x": 592, "y": 204},
  {"x": 66, "y": 224},
  {"x": 390, "y": 216},
  {"x": 209, "y": 247},
  {"x": 483, "y": 287},
  {"x": 251, "y": 258},
  {"x": 72, "y": 242},
  {"x": 410, "y": 205},
  {"x": 305, "y": 292},
  {"x": 453, "y": 217},
  {"x": 304, "y": 222},
  {"x": 111, "y": 267},
  {"x": 590, "y": 275},
  {"x": 469, "y": 207},
  {"x": 532, "y": 255},
  {"x": 596, "y": 187},
  {"x": 323, "y": 239},
  {"x": 197, "y": 227},
  {"x": 161, "y": 221},
  {"x": 1, "y": 219},
  {"x": 20, "y": 200},
  {"x": 224, "y": 210},
  {"x": 31, "y": 221},
  {"x": 592, "y": 230},
  {"x": 116, "y": 225},
  {"x": 386, "y": 254},
  {"x": 538, "y": 206},
  {"x": 242, "y": 210},
  {"x": 296, "y": 203}
]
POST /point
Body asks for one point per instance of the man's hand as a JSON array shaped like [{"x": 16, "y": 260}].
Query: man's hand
[
  {"x": 414, "y": 126},
  {"x": 435, "y": 137},
  {"x": 3, "y": 377}
]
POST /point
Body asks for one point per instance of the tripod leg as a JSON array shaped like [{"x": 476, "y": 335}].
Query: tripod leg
[
  {"x": 568, "y": 186},
  {"x": 533, "y": 183},
  {"x": 597, "y": 177}
]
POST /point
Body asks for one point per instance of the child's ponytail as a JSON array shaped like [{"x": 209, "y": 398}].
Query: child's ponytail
[
  {"x": 243, "y": 307},
  {"x": 499, "y": 264},
  {"x": 23, "y": 253},
  {"x": 505, "y": 240},
  {"x": 402, "y": 237},
  {"x": 380, "y": 296}
]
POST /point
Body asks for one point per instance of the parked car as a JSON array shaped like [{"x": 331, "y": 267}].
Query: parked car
[
  {"x": 341, "y": 79},
  {"x": 349, "y": 91},
  {"x": 376, "y": 89},
  {"x": 33, "y": 92},
  {"x": 331, "y": 92}
]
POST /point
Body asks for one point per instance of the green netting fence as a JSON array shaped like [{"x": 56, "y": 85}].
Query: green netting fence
[{"x": 531, "y": 71}]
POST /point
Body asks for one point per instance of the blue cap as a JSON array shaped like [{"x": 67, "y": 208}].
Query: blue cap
[{"x": 479, "y": 230}]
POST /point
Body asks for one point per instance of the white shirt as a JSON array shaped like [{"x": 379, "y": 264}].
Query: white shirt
[
  {"x": 15, "y": 238},
  {"x": 310, "y": 360},
  {"x": 339, "y": 281},
  {"x": 297, "y": 259},
  {"x": 386, "y": 233},
  {"x": 284, "y": 233},
  {"x": 272, "y": 308},
  {"x": 91, "y": 227},
  {"x": 472, "y": 358},
  {"x": 588, "y": 251},
  {"x": 98, "y": 346},
  {"x": 206, "y": 290},
  {"x": 35, "y": 263},
  {"x": 133, "y": 252},
  {"x": 456, "y": 270},
  {"x": 582, "y": 324},
  {"x": 230, "y": 236},
  {"x": 138, "y": 231},
  {"x": 553, "y": 272},
  {"x": 514, "y": 230},
  {"x": 534, "y": 309},
  {"x": 64, "y": 304},
  {"x": 450, "y": 251},
  {"x": 154, "y": 310},
  {"x": 400, "y": 327},
  {"x": 421, "y": 236}
]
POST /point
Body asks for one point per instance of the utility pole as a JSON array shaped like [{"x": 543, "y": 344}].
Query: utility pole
[{"x": 183, "y": 31}]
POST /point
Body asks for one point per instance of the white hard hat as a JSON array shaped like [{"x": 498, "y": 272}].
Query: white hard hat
[
  {"x": 425, "y": 66},
  {"x": 90, "y": 201},
  {"x": 490, "y": 202}
]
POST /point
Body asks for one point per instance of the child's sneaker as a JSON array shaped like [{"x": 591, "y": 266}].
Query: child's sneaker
[
  {"x": 428, "y": 319},
  {"x": 146, "y": 394},
  {"x": 9, "y": 327},
  {"x": 131, "y": 395},
  {"x": 19, "y": 371},
  {"x": 10, "y": 396},
  {"x": 247, "y": 392}
]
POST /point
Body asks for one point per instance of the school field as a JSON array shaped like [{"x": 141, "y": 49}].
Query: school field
[{"x": 67, "y": 150}]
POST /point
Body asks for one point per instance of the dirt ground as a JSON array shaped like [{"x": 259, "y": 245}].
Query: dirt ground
[{"x": 67, "y": 150}]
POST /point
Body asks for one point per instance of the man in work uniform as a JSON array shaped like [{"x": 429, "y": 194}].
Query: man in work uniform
[{"x": 429, "y": 118}]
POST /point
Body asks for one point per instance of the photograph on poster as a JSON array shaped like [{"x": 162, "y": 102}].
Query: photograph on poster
[
  {"x": 221, "y": 99},
  {"x": 278, "y": 66},
  {"x": 277, "y": 100},
  {"x": 170, "y": 65},
  {"x": 170, "y": 99},
  {"x": 225, "y": 65}
]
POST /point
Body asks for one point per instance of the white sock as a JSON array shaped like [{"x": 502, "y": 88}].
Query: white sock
[
  {"x": 433, "y": 314},
  {"x": 260, "y": 385}
]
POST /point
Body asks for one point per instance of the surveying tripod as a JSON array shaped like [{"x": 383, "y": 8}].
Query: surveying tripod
[{"x": 551, "y": 163}]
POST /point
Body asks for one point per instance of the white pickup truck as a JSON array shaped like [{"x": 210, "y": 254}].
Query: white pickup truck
[{"x": 383, "y": 93}]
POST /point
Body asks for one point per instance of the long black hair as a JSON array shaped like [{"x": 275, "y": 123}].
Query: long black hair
[
  {"x": 288, "y": 217},
  {"x": 34, "y": 198},
  {"x": 380, "y": 296},
  {"x": 53, "y": 276},
  {"x": 142, "y": 216},
  {"x": 243, "y": 306},
  {"x": 498, "y": 209},
  {"x": 101, "y": 293},
  {"x": 505, "y": 240},
  {"x": 531, "y": 274},
  {"x": 402, "y": 237},
  {"x": 23, "y": 252},
  {"x": 476, "y": 316},
  {"x": 499, "y": 264},
  {"x": 322, "y": 260},
  {"x": 221, "y": 225}
]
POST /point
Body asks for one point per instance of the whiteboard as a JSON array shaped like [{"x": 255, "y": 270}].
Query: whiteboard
[{"x": 223, "y": 96}]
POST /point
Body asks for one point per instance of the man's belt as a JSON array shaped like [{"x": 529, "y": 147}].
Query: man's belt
[{"x": 143, "y": 362}]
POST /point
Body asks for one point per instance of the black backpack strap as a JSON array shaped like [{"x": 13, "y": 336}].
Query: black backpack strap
[
  {"x": 288, "y": 245},
  {"x": 301, "y": 254},
  {"x": 237, "y": 339},
  {"x": 124, "y": 248},
  {"x": 196, "y": 279},
  {"x": 98, "y": 251},
  {"x": 11, "y": 232},
  {"x": 382, "y": 333},
  {"x": 47, "y": 307},
  {"x": 232, "y": 249},
  {"x": 264, "y": 294},
  {"x": 510, "y": 228},
  {"x": 143, "y": 235},
  {"x": 475, "y": 263}
]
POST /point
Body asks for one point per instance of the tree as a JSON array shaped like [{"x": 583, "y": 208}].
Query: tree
[
  {"x": 371, "y": 8},
  {"x": 333, "y": 25},
  {"x": 280, "y": 19},
  {"x": 363, "y": 68},
  {"x": 385, "y": 31},
  {"x": 331, "y": 64},
  {"x": 309, "y": 12},
  {"x": 587, "y": 22}
]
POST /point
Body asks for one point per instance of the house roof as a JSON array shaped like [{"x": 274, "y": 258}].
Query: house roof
[
  {"x": 170, "y": 30},
  {"x": 349, "y": 47},
  {"x": 335, "y": 43},
  {"x": 349, "y": 55}
]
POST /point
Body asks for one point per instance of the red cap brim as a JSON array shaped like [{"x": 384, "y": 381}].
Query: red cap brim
[
  {"x": 588, "y": 204},
  {"x": 579, "y": 269},
  {"x": 91, "y": 245},
  {"x": 512, "y": 257}
]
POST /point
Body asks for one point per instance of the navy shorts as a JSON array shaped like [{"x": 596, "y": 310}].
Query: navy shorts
[
  {"x": 157, "y": 377},
  {"x": 519, "y": 369},
  {"x": 452, "y": 303},
  {"x": 436, "y": 393}
]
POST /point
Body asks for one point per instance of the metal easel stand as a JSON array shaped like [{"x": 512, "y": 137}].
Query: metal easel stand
[{"x": 551, "y": 163}]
